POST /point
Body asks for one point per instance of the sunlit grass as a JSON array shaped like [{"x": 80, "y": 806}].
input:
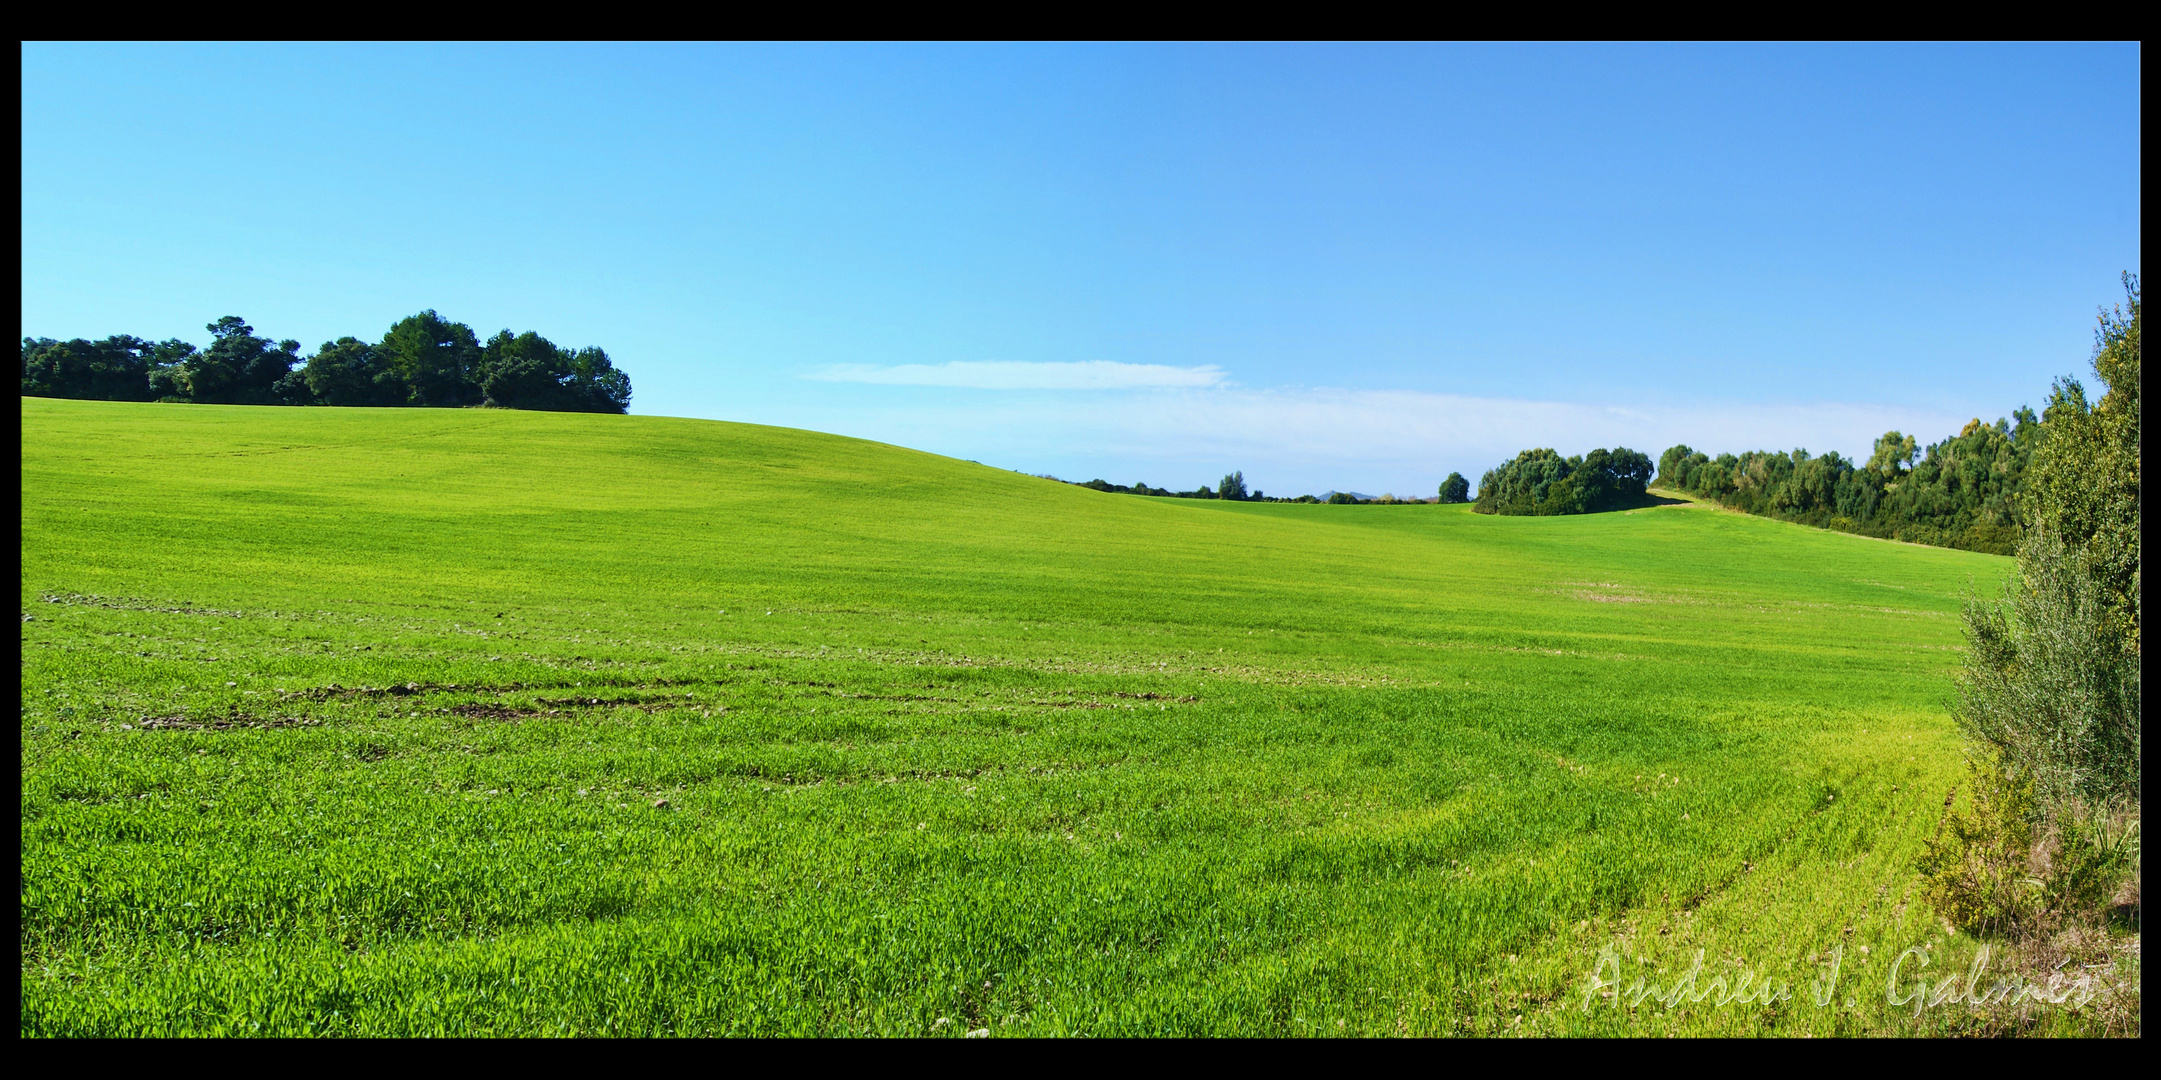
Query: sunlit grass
[{"x": 465, "y": 722}]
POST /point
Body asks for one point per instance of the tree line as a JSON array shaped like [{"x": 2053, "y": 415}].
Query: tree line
[
  {"x": 1542, "y": 482},
  {"x": 1962, "y": 492},
  {"x": 423, "y": 361},
  {"x": 1233, "y": 487}
]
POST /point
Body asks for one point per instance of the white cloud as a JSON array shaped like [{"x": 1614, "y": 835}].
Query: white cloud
[
  {"x": 1017, "y": 375},
  {"x": 1404, "y": 425},
  {"x": 1292, "y": 440}
]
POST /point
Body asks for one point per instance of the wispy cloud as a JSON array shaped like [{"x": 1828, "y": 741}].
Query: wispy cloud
[
  {"x": 1369, "y": 440},
  {"x": 1018, "y": 375},
  {"x": 1338, "y": 425}
]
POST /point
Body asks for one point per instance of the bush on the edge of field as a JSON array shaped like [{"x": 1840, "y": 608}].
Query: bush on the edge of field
[
  {"x": 1975, "y": 868},
  {"x": 2049, "y": 699},
  {"x": 2090, "y": 864},
  {"x": 1998, "y": 865},
  {"x": 2052, "y": 672},
  {"x": 2052, "y": 679}
]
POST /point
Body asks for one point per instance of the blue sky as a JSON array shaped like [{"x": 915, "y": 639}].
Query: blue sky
[{"x": 1352, "y": 267}]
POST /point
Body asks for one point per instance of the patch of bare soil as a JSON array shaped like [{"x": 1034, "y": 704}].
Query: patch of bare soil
[
  {"x": 321, "y": 693},
  {"x": 123, "y": 603},
  {"x": 410, "y": 689},
  {"x": 235, "y": 721}
]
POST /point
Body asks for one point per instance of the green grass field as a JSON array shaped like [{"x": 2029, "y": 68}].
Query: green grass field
[{"x": 484, "y": 722}]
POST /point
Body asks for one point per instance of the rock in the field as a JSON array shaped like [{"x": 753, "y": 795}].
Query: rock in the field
[{"x": 660, "y": 804}]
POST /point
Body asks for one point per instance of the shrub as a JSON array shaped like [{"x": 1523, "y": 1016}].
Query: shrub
[
  {"x": 1974, "y": 869},
  {"x": 2088, "y": 857},
  {"x": 2052, "y": 673},
  {"x": 1999, "y": 865},
  {"x": 2051, "y": 683},
  {"x": 2049, "y": 695}
]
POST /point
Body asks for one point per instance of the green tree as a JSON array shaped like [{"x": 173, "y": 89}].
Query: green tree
[
  {"x": 1233, "y": 486},
  {"x": 167, "y": 360},
  {"x": 436, "y": 360},
  {"x": 1674, "y": 465},
  {"x": 602, "y": 387},
  {"x": 1455, "y": 489},
  {"x": 1543, "y": 482},
  {"x": 115, "y": 369},
  {"x": 1893, "y": 453},
  {"x": 239, "y": 368},
  {"x": 1961, "y": 493},
  {"x": 527, "y": 371},
  {"x": 350, "y": 372}
]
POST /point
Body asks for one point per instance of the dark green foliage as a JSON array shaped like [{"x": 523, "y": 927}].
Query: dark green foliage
[
  {"x": 423, "y": 360},
  {"x": 1233, "y": 486},
  {"x": 115, "y": 369},
  {"x": 350, "y": 372},
  {"x": 605, "y": 388},
  {"x": 167, "y": 359},
  {"x": 1455, "y": 489},
  {"x": 1961, "y": 494},
  {"x": 1542, "y": 482},
  {"x": 240, "y": 368},
  {"x": 438, "y": 360},
  {"x": 1342, "y": 498},
  {"x": 527, "y": 371},
  {"x": 2052, "y": 677}
]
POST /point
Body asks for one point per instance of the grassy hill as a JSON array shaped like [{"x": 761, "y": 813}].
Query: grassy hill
[{"x": 464, "y": 722}]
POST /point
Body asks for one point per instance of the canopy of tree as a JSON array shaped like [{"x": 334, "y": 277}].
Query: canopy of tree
[
  {"x": 1455, "y": 489},
  {"x": 1542, "y": 482},
  {"x": 423, "y": 360},
  {"x": 1961, "y": 494}
]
